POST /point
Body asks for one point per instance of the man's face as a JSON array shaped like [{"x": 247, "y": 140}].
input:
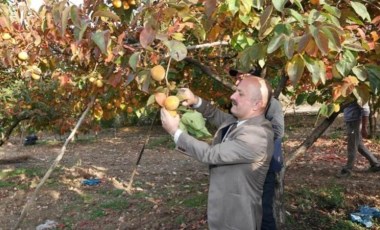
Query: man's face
[{"x": 244, "y": 105}]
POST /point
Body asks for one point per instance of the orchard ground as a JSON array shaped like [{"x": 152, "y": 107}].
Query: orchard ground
[{"x": 170, "y": 190}]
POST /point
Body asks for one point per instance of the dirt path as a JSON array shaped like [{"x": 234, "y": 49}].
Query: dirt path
[{"x": 170, "y": 190}]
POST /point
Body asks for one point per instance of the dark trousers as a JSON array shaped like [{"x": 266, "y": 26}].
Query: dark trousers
[
  {"x": 355, "y": 144},
  {"x": 268, "y": 222}
]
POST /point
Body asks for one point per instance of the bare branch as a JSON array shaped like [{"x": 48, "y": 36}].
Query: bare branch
[
  {"x": 209, "y": 72},
  {"x": 53, "y": 166},
  {"x": 219, "y": 43}
]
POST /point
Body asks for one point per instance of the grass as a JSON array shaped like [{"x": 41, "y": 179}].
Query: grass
[
  {"x": 4, "y": 184},
  {"x": 196, "y": 201},
  {"x": 318, "y": 208},
  {"x": 116, "y": 204},
  {"x": 28, "y": 172},
  {"x": 161, "y": 141}
]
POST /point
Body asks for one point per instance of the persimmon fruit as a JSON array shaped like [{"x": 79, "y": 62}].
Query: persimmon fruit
[
  {"x": 171, "y": 103},
  {"x": 157, "y": 73}
]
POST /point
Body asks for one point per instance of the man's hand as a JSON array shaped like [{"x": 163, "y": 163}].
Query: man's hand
[
  {"x": 187, "y": 97},
  {"x": 169, "y": 123}
]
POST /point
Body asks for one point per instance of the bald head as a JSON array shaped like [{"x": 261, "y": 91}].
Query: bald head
[
  {"x": 258, "y": 88},
  {"x": 251, "y": 97}
]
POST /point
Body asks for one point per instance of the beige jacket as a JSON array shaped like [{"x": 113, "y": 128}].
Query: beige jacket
[{"x": 238, "y": 167}]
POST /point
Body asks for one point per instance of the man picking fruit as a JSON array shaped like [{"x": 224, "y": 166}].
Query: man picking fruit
[{"x": 239, "y": 156}]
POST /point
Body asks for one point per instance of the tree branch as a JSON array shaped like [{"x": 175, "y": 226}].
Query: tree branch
[
  {"x": 209, "y": 72},
  {"x": 218, "y": 43},
  {"x": 53, "y": 166},
  {"x": 315, "y": 134}
]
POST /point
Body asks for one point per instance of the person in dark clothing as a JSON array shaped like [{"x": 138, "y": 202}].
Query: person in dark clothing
[
  {"x": 30, "y": 140},
  {"x": 352, "y": 118}
]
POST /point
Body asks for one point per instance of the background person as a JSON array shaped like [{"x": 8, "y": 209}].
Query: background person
[
  {"x": 352, "y": 119},
  {"x": 365, "y": 119}
]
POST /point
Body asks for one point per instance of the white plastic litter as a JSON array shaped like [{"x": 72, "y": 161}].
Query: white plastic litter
[{"x": 49, "y": 224}]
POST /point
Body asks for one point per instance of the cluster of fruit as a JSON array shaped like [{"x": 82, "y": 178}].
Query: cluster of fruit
[
  {"x": 33, "y": 72},
  {"x": 125, "y": 4},
  {"x": 191, "y": 121},
  {"x": 96, "y": 79},
  {"x": 170, "y": 103}
]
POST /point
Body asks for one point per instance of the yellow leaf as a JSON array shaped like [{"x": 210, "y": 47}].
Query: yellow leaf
[
  {"x": 336, "y": 92},
  {"x": 178, "y": 36},
  {"x": 336, "y": 108}
]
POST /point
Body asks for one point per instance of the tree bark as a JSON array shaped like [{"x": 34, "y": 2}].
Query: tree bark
[
  {"x": 309, "y": 141},
  {"x": 14, "y": 122},
  {"x": 33, "y": 197}
]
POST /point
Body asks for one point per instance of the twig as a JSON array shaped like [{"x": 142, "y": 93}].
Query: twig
[
  {"x": 53, "y": 166},
  {"x": 219, "y": 43},
  {"x": 129, "y": 187},
  {"x": 167, "y": 71},
  {"x": 209, "y": 72}
]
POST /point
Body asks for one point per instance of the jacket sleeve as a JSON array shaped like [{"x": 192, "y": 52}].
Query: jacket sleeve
[
  {"x": 241, "y": 148},
  {"x": 213, "y": 115}
]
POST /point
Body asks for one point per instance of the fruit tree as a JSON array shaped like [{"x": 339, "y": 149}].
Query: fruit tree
[{"x": 125, "y": 52}]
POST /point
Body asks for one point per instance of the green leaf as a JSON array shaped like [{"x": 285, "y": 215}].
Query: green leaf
[
  {"x": 57, "y": 9},
  {"x": 79, "y": 31},
  {"x": 353, "y": 45},
  {"x": 315, "y": 16},
  {"x": 275, "y": 43},
  {"x": 326, "y": 110},
  {"x": 317, "y": 69},
  {"x": 177, "y": 50},
  {"x": 299, "y": 4},
  {"x": 320, "y": 39},
  {"x": 362, "y": 93},
  {"x": 301, "y": 98},
  {"x": 333, "y": 36},
  {"x": 147, "y": 35},
  {"x": 245, "y": 18},
  {"x": 295, "y": 68},
  {"x": 199, "y": 32},
  {"x": 312, "y": 98},
  {"x": 279, "y": 4},
  {"x": 101, "y": 39},
  {"x": 251, "y": 54},
  {"x": 258, "y": 4},
  {"x": 74, "y": 13},
  {"x": 332, "y": 10},
  {"x": 195, "y": 124},
  {"x": 360, "y": 72},
  {"x": 134, "y": 60},
  {"x": 361, "y": 10},
  {"x": 289, "y": 47},
  {"x": 65, "y": 19},
  {"x": 302, "y": 44},
  {"x": 107, "y": 14},
  {"x": 245, "y": 6},
  {"x": 233, "y": 6},
  {"x": 374, "y": 77},
  {"x": 151, "y": 100},
  {"x": 348, "y": 62},
  {"x": 297, "y": 16},
  {"x": 265, "y": 21}
]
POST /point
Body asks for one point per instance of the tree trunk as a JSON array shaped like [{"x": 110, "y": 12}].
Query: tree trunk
[
  {"x": 278, "y": 203},
  {"x": 14, "y": 122},
  {"x": 309, "y": 141}
]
